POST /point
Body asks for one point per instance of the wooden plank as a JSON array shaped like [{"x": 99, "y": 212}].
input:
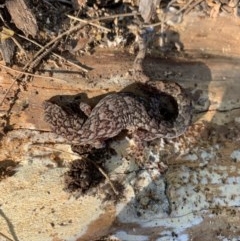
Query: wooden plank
[{"x": 196, "y": 199}]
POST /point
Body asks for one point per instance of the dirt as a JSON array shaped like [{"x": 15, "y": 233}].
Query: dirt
[{"x": 202, "y": 166}]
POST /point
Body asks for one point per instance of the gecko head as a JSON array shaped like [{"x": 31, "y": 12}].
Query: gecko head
[{"x": 164, "y": 106}]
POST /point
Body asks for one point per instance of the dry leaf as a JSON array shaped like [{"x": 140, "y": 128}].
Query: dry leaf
[
  {"x": 22, "y": 16},
  {"x": 6, "y": 33}
]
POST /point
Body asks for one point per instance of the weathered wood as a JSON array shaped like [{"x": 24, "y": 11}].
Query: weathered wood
[
  {"x": 7, "y": 48},
  {"x": 22, "y": 16},
  {"x": 196, "y": 199}
]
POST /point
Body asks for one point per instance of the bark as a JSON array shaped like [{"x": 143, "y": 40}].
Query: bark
[{"x": 196, "y": 199}]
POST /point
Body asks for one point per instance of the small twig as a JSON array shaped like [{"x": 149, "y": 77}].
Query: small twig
[
  {"x": 62, "y": 1},
  {"x": 170, "y": 3},
  {"x": 184, "y": 7},
  {"x": 152, "y": 25},
  {"x": 162, "y": 38},
  {"x": 5, "y": 236},
  {"x": 106, "y": 176},
  {"x": 47, "y": 2},
  {"x": 192, "y": 6},
  {"x": 26, "y": 73},
  {"x": 121, "y": 15},
  {"x": 19, "y": 45},
  {"x": 41, "y": 56},
  {"x": 91, "y": 22}
]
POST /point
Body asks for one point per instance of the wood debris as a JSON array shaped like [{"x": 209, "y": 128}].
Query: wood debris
[{"x": 22, "y": 16}]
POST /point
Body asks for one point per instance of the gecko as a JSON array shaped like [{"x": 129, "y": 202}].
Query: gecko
[{"x": 144, "y": 117}]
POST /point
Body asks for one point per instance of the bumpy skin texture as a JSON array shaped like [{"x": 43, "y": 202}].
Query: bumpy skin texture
[
  {"x": 64, "y": 117},
  {"x": 143, "y": 116}
]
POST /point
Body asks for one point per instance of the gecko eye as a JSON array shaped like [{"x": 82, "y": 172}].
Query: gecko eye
[{"x": 169, "y": 108}]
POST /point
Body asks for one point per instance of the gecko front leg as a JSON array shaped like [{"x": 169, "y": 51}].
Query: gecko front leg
[
  {"x": 141, "y": 135},
  {"x": 85, "y": 108}
]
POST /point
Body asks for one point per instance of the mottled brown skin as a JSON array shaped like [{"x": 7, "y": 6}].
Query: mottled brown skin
[
  {"x": 64, "y": 116},
  {"x": 143, "y": 116}
]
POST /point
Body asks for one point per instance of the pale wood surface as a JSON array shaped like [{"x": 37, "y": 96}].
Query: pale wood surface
[{"x": 201, "y": 187}]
